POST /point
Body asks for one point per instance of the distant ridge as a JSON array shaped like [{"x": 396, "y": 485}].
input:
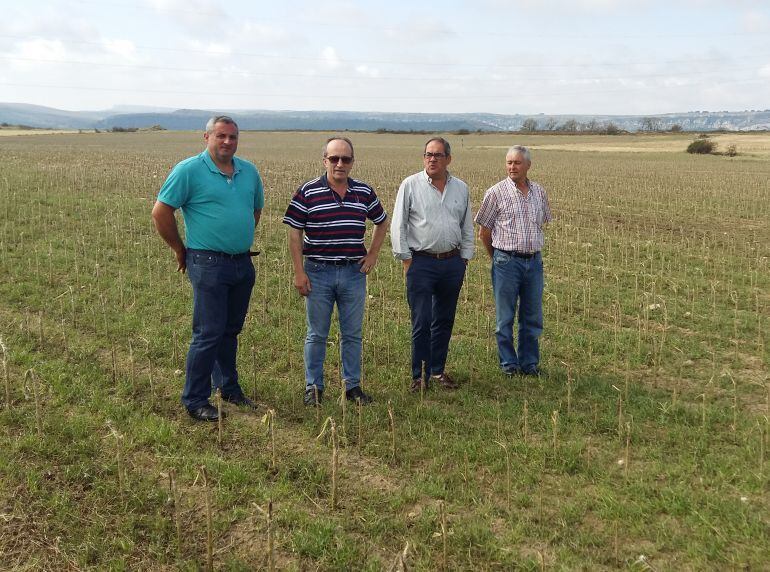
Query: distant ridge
[{"x": 194, "y": 119}]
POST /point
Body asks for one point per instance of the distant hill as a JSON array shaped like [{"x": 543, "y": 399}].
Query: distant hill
[{"x": 194, "y": 119}]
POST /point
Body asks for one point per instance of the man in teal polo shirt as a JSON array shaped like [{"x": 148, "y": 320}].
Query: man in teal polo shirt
[{"x": 221, "y": 198}]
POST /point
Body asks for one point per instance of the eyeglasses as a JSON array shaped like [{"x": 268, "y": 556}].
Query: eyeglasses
[
  {"x": 335, "y": 159},
  {"x": 436, "y": 155}
]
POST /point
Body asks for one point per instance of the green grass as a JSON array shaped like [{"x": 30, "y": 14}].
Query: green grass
[{"x": 656, "y": 293}]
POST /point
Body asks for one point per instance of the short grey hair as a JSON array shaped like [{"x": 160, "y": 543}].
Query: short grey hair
[
  {"x": 219, "y": 119},
  {"x": 444, "y": 142},
  {"x": 345, "y": 139},
  {"x": 519, "y": 150}
]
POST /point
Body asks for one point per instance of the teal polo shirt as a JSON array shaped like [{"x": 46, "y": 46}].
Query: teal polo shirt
[{"x": 218, "y": 210}]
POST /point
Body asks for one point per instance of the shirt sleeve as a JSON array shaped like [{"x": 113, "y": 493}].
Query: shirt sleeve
[
  {"x": 488, "y": 210},
  {"x": 547, "y": 217},
  {"x": 399, "y": 223},
  {"x": 374, "y": 210},
  {"x": 467, "y": 242},
  {"x": 296, "y": 213},
  {"x": 176, "y": 189}
]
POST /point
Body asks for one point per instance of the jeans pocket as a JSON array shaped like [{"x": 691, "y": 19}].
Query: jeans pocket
[
  {"x": 501, "y": 258},
  {"x": 204, "y": 260}
]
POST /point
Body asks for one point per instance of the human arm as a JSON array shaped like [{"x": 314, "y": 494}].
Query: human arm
[
  {"x": 165, "y": 223},
  {"x": 399, "y": 225},
  {"x": 368, "y": 261},
  {"x": 301, "y": 280},
  {"x": 467, "y": 243},
  {"x": 485, "y": 234},
  {"x": 257, "y": 216}
]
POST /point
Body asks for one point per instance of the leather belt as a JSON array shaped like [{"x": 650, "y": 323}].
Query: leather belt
[
  {"x": 437, "y": 255},
  {"x": 518, "y": 254},
  {"x": 219, "y": 254},
  {"x": 343, "y": 262}
]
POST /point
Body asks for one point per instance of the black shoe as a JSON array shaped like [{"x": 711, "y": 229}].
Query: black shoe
[
  {"x": 512, "y": 371},
  {"x": 418, "y": 384},
  {"x": 313, "y": 396},
  {"x": 357, "y": 394},
  {"x": 533, "y": 371},
  {"x": 205, "y": 413},
  {"x": 241, "y": 401}
]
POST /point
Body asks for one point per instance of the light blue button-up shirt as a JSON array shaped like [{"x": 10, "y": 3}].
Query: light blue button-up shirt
[{"x": 425, "y": 218}]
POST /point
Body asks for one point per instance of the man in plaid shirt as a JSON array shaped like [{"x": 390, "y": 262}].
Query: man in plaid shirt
[{"x": 511, "y": 218}]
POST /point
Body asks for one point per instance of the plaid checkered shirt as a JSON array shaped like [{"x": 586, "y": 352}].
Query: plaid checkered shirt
[{"x": 516, "y": 221}]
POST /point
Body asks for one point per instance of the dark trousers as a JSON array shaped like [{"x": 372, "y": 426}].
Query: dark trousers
[
  {"x": 221, "y": 291},
  {"x": 432, "y": 289}
]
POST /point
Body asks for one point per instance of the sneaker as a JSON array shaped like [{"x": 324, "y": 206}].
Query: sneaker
[
  {"x": 446, "y": 381},
  {"x": 533, "y": 371},
  {"x": 313, "y": 396},
  {"x": 357, "y": 394},
  {"x": 512, "y": 371}
]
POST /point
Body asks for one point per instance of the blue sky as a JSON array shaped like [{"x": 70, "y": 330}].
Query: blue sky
[{"x": 498, "y": 56}]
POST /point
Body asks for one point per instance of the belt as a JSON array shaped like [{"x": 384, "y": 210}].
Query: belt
[
  {"x": 518, "y": 254},
  {"x": 437, "y": 255},
  {"x": 220, "y": 254},
  {"x": 343, "y": 262}
]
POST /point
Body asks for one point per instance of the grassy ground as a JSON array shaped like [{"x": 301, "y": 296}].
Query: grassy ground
[{"x": 643, "y": 446}]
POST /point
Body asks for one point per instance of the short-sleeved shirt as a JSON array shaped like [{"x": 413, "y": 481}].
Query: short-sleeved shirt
[
  {"x": 516, "y": 221},
  {"x": 218, "y": 209},
  {"x": 334, "y": 227}
]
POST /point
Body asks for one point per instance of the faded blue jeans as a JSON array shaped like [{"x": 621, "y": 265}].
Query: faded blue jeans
[
  {"x": 221, "y": 287},
  {"x": 346, "y": 287},
  {"x": 518, "y": 282}
]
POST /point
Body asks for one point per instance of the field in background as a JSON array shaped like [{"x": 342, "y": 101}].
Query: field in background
[{"x": 643, "y": 447}]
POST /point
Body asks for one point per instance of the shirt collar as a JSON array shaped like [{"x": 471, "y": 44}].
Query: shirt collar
[
  {"x": 325, "y": 182},
  {"x": 427, "y": 177},
  {"x": 212, "y": 166}
]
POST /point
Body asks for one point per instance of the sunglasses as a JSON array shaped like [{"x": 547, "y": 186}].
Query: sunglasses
[
  {"x": 430, "y": 155},
  {"x": 335, "y": 159}
]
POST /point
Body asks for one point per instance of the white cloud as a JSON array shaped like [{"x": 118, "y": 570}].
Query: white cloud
[
  {"x": 367, "y": 71},
  {"x": 330, "y": 58},
  {"x": 254, "y": 32},
  {"x": 125, "y": 49},
  {"x": 755, "y": 21}
]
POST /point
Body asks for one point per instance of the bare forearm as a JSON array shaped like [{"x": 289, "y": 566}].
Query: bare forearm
[
  {"x": 165, "y": 224},
  {"x": 378, "y": 238},
  {"x": 295, "y": 249},
  {"x": 485, "y": 235}
]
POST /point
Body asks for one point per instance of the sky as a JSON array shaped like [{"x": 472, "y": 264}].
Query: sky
[{"x": 639, "y": 57}]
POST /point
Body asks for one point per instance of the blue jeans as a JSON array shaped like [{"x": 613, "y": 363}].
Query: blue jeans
[
  {"x": 345, "y": 286},
  {"x": 518, "y": 281},
  {"x": 432, "y": 289},
  {"x": 221, "y": 290}
]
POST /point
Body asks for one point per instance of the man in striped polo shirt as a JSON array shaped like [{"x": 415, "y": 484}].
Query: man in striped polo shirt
[
  {"x": 511, "y": 218},
  {"x": 327, "y": 221}
]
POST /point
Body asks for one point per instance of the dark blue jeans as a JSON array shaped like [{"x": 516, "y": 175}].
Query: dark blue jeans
[
  {"x": 432, "y": 289},
  {"x": 221, "y": 290}
]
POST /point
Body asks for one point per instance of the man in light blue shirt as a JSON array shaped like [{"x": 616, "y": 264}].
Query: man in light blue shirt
[
  {"x": 432, "y": 234},
  {"x": 221, "y": 199}
]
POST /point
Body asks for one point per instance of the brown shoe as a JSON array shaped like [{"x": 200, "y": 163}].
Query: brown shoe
[
  {"x": 446, "y": 381},
  {"x": 417, "y": 384}
]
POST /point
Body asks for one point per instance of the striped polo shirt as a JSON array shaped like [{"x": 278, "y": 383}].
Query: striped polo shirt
[
  {"x": 516, "y": 221},
  {"x": 334, "y": 227}
]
